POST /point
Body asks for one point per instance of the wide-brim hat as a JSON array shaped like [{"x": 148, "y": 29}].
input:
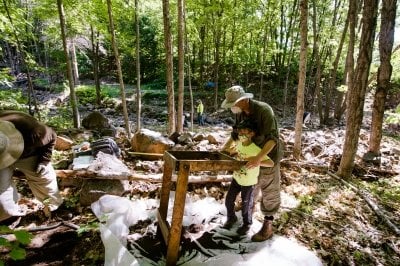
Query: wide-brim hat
[
  {"x": 11, "y": 144},
  {"x": 233, "y": 95}
]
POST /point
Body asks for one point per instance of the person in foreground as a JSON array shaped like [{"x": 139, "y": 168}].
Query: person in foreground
[
  {"x": 26, "y": 145},
  {"x": 244, "y": 179},
  {"x": 267, "y": 138}
]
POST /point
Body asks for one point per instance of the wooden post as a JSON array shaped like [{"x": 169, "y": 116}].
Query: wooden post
[{"x": 177, "y": 216}]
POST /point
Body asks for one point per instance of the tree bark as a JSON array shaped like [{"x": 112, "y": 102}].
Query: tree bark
[
  {"x": 74, "y": 61},
  {"x": 95, "y": 64},
  {"x": 138, "y": 96},
  {"x": 302, "y": 79},
  {"x": 170, "y": 68},
  {"x": 386, "y": 39},
  {"x": 356, "y": 95},
  {"x": 181, "y": 64},
  {"x": 73, "y": 100},
  {"x": 349, "y": 68},
  {"x": 119, "y": 70}
]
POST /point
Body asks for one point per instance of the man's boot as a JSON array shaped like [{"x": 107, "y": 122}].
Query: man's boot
[{"x": 265, "y": 233}]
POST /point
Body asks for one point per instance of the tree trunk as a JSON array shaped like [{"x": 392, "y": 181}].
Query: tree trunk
[
  {"x": 333, "y": 72},
  {"x": 95, "y": 60},
  {"x": 74, "y": 61},
  {"x": 356, "y": 95},
  {"x": 181, "y": 64},
  {"x": 190, "y": 86},
  {"x": 138, "y": 96},
  {"x": 302, "y": 79},
  {"x": 386, "y": 38},
  {"x": 352, "y": 15},
  {"x": 328, "y": 91},
  {"x": 73, "y": 100},
  {"x": 317, "y": 56},
  {"x": 119, "y": 70},
  {"x": 339, "y": 94},
  {"x": 170, "y": 68}
]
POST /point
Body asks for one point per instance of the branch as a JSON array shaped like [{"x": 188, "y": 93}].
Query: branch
[{"x": 370, "y": 202}]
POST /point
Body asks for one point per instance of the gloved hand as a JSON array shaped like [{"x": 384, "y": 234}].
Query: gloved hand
[{"x": 42, "y": 169}]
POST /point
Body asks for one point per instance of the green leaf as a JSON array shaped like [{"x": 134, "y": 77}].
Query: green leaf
[
  {"x": 18, "y": 253},
  {"x": 5, "y": 229},
  {"x": 23, "y": 236},
  {"x": 4, "y": 242}
]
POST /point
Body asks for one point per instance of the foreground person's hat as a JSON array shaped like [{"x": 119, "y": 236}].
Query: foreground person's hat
[
  {"x": 233, "y": 95},
  {"x": 11, "y": 144}
]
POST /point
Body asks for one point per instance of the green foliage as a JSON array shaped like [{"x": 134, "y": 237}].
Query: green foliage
[
  {"x": 154, "y": 95},
  {"x": 386, "y": 190},
  {"x": 90, "y": 226},
  {"x": 12, "y": 99},
  {"x": 306, "y": 202},
  {"x": 86, "y": 94},
  {"x": 23, "y": 237},
  {"x": 394, "y": 116},
  {"x": 72, "y": 201},
  {"x": 158, "y": 84},
  {"x": 62, "y": 120},
  {"x": 5, "y": 78}
]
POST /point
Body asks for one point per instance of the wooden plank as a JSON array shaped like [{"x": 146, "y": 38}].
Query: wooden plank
[
  {"x": 166, "y": 186},
  {"x": 72, "y": 177},
  {"x": 177, "y": 215},
  {"x": 164, "y": 227}
]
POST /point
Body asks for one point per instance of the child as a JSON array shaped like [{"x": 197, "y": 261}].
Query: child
[{"x": 244, "y": 179}]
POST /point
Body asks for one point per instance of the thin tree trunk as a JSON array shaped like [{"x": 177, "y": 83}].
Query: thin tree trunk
[
  {"x": 73, "y": 100},
  {"x": 138, "y": 96},
  {"x": 119, "y": 70},
  {"x": 352, "y": 14},
  {"x": 170, "y": 68},
  {"x": 74, "y": 61},
  {"x": 386, "y": 38},
  {"x": 302, "y": 79},
  {"x": 356, "y": 95},
  {"x": 317, "y": 56},
  {"x": 339, "y": 94},
  {"x": 190, "y": 83},
  {"x": 181, "y": 64},
  {"x": 328, "y": 91},
  {"x": 95, "y": 64}
]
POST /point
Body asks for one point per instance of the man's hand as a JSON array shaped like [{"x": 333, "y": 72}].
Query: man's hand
[
  {"x": 42, "y": 169},
  {"x": 252, "y": 162}
]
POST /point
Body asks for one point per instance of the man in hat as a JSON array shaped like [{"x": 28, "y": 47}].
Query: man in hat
[
  {"x": 244, "y": 106},
  {"x": 26, "y": 145}
]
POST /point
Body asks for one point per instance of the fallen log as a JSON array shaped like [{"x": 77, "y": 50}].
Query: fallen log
[
  {"x": 319, "y": 167},
  {"x": 370, "y": 202},
  {"x": 154, "y": 178}
]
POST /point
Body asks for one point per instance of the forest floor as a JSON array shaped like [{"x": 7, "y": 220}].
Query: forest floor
[{"x": 344, "y": 222}]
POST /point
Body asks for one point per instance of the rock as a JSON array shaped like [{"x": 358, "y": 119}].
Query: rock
[
  {"x": 151, "y": 142},
  {"x": 199, "y": 137},
  {"x": 63, "y": 143},
  {"x": 185, "y": 138},
  {"x": 93, "y": 189},
  {"x": 97, "y": 121},
  {"x": 212, "y": 139}
]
